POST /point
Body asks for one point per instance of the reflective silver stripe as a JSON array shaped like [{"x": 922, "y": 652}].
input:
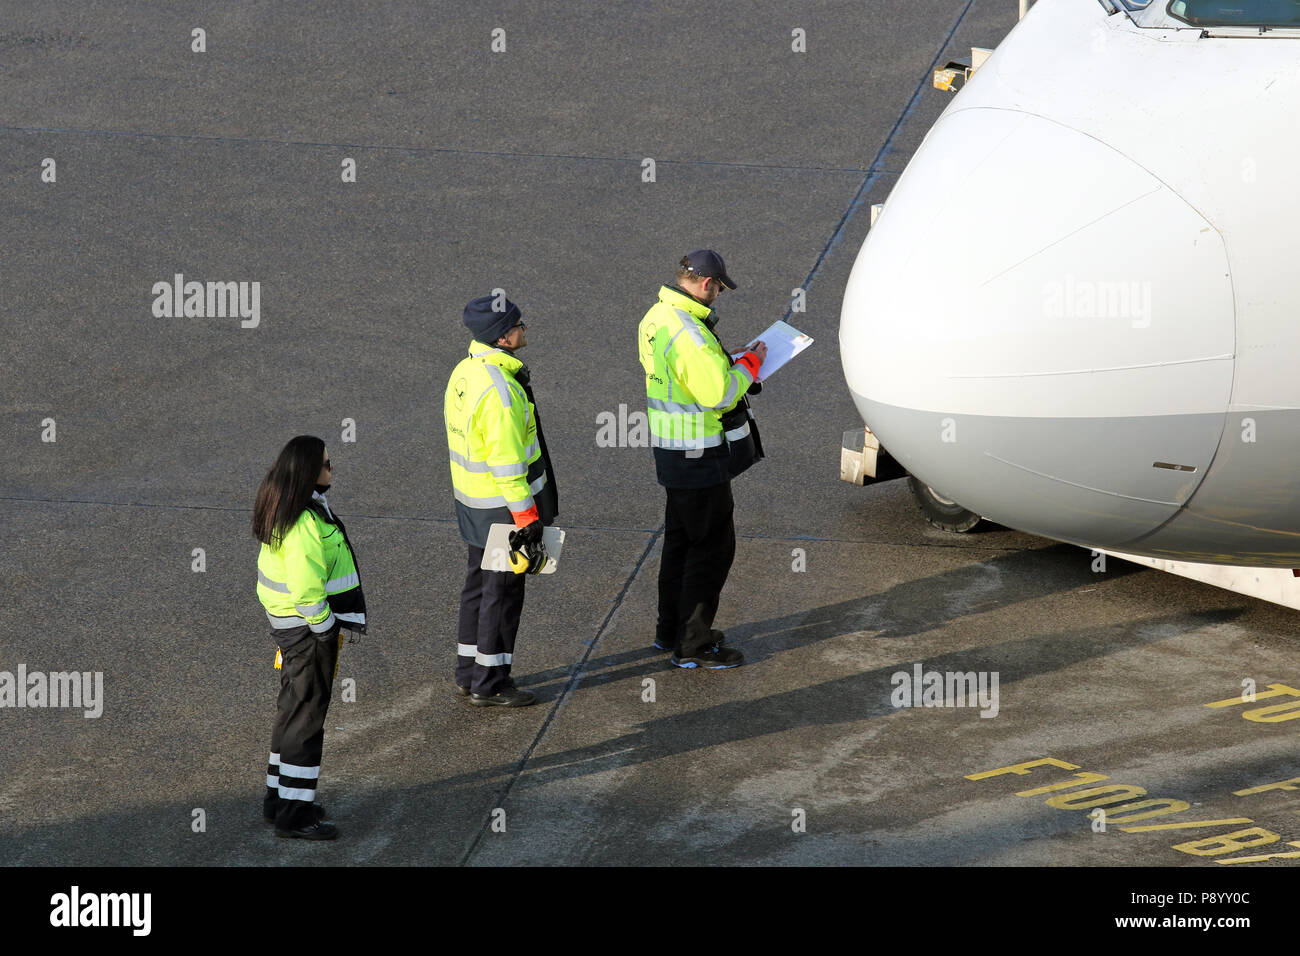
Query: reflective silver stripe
[
  {"x": 688, "y": 325},
  {"x": 275, "y": 759},
  {"x": 531, "y": 450},
  {"x": 263, "y": 580},
  {"x": 662, "y": 405},
  {"x": 508, "y": 471},
  {"x": 342, "y": 584},
  {"x": 466, "y": 650},
  {"x": 292, "y": 793},
  {"x": 272, "y": 781},
  {"x": 283, "y": 623},
  {"x": 499, "y": 383},
  {"x": 493, "y": 501},
  {"x": 732, "y": 391},
  {"x": 466, "y": 463},
  {"x": 708, "y": 441},
  {"x": 304, "y": 773},
  {"x": 324, "y": 625},
  {"x": 492, "y": 660},
  {"x": 499, "y": 501},
  {"x": 311, "y": 610},
  {"x": 481, "y": 354},
  {"x": 736, "y": 434},
  {"x": 355, "y": 617}
]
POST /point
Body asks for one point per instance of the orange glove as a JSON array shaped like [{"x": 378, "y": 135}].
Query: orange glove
[
  {"x": 524, "y": 518},
  {"x": 751, "y": 363}
]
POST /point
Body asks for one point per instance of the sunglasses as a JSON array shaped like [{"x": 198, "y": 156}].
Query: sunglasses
[{"x": 327, "y": 464}]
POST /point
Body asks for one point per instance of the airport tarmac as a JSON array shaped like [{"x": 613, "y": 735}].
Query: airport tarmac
[{"x": 127, "y": 550}]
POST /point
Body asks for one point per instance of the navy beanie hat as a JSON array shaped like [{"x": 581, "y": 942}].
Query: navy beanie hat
[{"x": 489, "y": 324}]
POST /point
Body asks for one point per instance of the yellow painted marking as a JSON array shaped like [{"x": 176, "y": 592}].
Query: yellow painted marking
[
  {"x": 1023, "y": 768},
  {"x": 1191, "y": 824},
  {"x": 1125, "y": 813},
  {"x": 1263, "y": 859},
  {"x": 1228, "y": 842},
  {"x": 1283, "y": 711},
  {"x": 1292, "y": 784},
  {"x": 1275, "y": 690},
  {"x": 1081, "y": 778},
  {"x": 1085, "y": 799}
]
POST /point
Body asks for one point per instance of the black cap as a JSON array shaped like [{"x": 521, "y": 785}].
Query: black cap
[
  {"x": 489, "y": 317},
  {"x": 706, "y": 262}
]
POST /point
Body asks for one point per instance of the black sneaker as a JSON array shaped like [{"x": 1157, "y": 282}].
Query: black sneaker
[
  {"x": 270, "y": 817},
  {"x": 715, "y": 657},
  {"x": 462, "y": 691},
  {"x": 509, "y": 696},
  {"x": 320, "y": 830}
]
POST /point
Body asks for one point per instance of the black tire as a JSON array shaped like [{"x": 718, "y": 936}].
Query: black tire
[{"x": 938, "y": 510}]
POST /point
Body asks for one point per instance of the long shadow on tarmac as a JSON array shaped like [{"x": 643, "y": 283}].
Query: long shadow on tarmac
[{"x": 909, "y": 608}]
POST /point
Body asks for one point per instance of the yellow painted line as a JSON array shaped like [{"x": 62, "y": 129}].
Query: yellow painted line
[{"x": 1192, "y": 824}]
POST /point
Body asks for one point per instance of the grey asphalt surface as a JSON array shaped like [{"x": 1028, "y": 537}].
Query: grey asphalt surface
[{"x": 523, "y": 170}]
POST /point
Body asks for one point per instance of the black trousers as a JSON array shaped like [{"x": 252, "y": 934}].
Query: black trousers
[
  {"x": 298, "y": 734},
  {"x": 490, "y": 605},
  {"x": 699, "y": 546}
]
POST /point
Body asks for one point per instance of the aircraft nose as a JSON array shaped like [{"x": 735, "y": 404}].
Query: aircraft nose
[{"x": 1041, "y": 329}]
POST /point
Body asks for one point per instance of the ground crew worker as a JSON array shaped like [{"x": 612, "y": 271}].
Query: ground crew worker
[
  {"x": 308, "y": 583},
  {"x": 691, "y": 382},
  {"x": 500, "y": 474}
]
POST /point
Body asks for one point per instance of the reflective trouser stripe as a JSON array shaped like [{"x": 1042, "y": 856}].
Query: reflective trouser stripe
[
  {"x": 492, "y": 660},
  {"x": 466, "y": 650},
  {"x": 736, "y": 434},
  {"x": 272, "y": 781},
  {"x": 303, "y": 773}
]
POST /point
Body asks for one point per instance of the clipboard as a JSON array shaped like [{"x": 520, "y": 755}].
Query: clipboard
[
  {"x": 783, "y": 343},
  {"x": 496, "y": 553}
]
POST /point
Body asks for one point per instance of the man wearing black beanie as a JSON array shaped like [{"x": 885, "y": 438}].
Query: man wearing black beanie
[{"x": 500, "y": 473}]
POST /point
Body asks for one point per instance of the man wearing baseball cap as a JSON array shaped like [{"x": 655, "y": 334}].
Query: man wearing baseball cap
[
  {"x": 500, "y": 473},
  {"x": 691, "y": 384}
]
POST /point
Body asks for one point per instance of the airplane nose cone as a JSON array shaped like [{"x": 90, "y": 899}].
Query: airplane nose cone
[{"x": 1042, "y": 330}]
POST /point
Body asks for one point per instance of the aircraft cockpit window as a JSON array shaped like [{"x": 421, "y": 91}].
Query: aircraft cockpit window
[{"x": 1237, "y": 13}]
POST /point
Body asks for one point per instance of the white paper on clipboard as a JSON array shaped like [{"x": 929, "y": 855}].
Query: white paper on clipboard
[
  {"x": 783, "y": 343},
  {"x": 496, "y": 555}
]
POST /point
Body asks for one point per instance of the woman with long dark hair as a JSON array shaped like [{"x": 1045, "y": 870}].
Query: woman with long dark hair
[{"x": 308, "y": 583}]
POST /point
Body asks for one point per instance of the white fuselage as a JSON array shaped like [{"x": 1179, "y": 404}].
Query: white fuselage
[{"x": 1079, "y": 311}]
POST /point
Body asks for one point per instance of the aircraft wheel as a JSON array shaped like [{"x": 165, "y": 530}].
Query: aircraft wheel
[{"x": 940, "y": 511}]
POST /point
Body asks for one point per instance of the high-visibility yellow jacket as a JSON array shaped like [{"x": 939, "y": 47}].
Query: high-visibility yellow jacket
[
  {"x": 500, "y": 469},
  {"x": 690, "y": 384},
  {"x": 311, "y": 577}
]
